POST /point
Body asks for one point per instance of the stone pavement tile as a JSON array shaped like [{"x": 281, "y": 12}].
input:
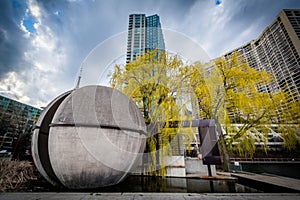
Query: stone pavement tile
[
  {"x": 65, "y": 196},
  {"x": 254, "y": 196},
  {"x": 38, "y": 196},
  {"x": 150, "y": 196},
  {"x": 108, "y": 196},
  {"x": 41, "y": 195},
  {"x": 163, "y": 196}
]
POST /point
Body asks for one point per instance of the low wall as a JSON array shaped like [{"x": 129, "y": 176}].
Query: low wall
[
  {"x": 195, "y": 166},
  {"x": 178, "y": 166},
  {"x": 175, "y": 166}
]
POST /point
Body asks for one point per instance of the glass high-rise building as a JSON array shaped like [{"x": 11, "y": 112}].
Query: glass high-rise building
[
  {"x": 154, "y": 35},
  {"x": 144, "y": 34}
]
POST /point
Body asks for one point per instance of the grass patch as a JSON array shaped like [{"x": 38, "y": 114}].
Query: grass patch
[{"x": 14, "y": 174}]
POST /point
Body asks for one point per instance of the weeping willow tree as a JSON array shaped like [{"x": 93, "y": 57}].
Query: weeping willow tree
[
  {"x": 241, "y": 98},
  {"x": 207, "y": 86},
  {"x": 156, "y": 83},
  {"x": 289, "y": 127},
  {"x": 238, "y": 96}
]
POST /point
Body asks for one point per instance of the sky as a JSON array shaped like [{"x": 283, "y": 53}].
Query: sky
[{"x": 44, "y": 44}]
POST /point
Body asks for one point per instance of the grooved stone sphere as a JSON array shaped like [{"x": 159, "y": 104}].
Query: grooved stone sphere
[{"x": 87, "y": 138}]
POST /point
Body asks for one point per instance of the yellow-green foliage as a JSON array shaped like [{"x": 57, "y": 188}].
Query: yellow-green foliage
[
  {"x": 251, "y": 108},
  {"x": 231, "y": 91},
  {"x": 152, "y": 145},
  {"x": 156, "y": 83}
]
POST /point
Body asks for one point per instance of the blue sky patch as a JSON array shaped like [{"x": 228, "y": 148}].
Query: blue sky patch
[
  {"x": 218, "y": 2},
  {"x": 28, "y": 23},
  {"x": 58, "y": 13}
]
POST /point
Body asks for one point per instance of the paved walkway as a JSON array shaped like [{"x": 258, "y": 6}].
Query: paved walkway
[
  {"x": 284, "y": 182},
  {"x": 219, "y": 176},
  {"x": 163, "y": 196}
]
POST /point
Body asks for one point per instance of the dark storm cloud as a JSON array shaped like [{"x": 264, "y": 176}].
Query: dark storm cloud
[{"x": 12, "y": 40}]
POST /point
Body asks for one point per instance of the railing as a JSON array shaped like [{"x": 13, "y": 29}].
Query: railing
[{"x": 265, "y": 160}]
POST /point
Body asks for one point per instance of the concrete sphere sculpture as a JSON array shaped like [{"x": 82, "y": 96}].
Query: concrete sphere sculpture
[{"x": 89, "y": 137}]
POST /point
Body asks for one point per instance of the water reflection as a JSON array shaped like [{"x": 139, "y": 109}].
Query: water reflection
[{"x": 179, "y": 185}]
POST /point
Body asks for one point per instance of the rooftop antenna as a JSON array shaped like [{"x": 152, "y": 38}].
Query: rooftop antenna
[{"x": 78, "y": 80}]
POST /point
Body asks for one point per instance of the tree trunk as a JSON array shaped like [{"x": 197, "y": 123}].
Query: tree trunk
[{"x": 224, "y": 150}]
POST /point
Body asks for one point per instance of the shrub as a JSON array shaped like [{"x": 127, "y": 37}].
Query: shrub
[{"x": 15, "y": 173}]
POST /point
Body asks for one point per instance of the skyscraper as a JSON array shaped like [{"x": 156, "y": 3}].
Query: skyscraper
[
  {"x": 136, "y": 36},
  {"x": 277, "y": 50},
  {"x": 144, "y": 34},
  {"x": 154, "y": 35}
]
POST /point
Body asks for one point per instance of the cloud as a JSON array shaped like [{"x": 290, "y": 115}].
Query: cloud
[
  {"x": 221, "y": 28},
  {"x": 12, "y": 85},
  {"x": 43, "y": 43},
  {"x": 41, "y": 62},
  {"x": 12, "y": 39}
]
